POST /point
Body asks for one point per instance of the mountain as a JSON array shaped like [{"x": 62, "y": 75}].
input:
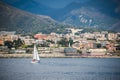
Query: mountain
[
  {"x": 107, "y": 7},
  {"x": 13, "y": 19},
  {"x": 94, "y": 13},
  {"x": 89, "y": 17},
  {"x": 102, "y": 14},
  {"x": 115, "y": 27},
  {"x": 30, "y": 6}
]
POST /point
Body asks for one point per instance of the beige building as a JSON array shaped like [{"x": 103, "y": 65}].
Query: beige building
[
  {"x": 97, "y": 52},
  {"x": 112, "y": 36}
]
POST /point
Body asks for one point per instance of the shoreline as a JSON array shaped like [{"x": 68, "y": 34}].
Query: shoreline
[{"x": 51, "y": 56}]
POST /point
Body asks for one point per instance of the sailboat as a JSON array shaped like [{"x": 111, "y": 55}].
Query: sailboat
[{"x": 36, "y": 58}]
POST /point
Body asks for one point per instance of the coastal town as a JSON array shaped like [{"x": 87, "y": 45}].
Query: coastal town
[{"x": 74, "y": 43}]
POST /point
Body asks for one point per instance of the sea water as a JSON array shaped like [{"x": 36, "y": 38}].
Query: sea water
[{"x": 60, "y": 69}]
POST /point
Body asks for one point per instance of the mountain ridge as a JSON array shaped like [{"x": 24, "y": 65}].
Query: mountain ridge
[
  {"x": 92, "y": 13},
  {"x": 101, "y": 12},
  {"x": 20, "y": 21}
]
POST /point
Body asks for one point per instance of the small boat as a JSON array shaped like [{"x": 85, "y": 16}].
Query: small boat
[{"x": 36, "y": 58}]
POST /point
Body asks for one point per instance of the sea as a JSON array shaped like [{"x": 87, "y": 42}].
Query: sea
[{"x": 60, "y": 69}]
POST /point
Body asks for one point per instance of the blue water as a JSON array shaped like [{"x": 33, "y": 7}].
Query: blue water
[{"x": 60, "y": 69}]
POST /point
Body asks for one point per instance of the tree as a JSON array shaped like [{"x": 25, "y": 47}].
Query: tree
[
  {"x": 64, "y": 42},
  {"x": 17, "y": 43},
  {"x": 9, "y": 44},
  {"x": 50, "y": 41},
  {"x": 44, "y": 44},
  {"x": 98, "y": 45},
  {"x": 70, "y": 41}
]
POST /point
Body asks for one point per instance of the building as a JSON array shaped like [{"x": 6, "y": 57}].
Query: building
[
  {"x": 112, "y": 36},
  {"x": 71, "y": 52},
  {"x": 29, "y": 41},
  {"x": 41, "y": 36},
  {"x": 1, "y": 42},
  {"x": 7, "y": 35},
  {"x": 110, "y": 47},
  {"x": 97, "y": 52}
]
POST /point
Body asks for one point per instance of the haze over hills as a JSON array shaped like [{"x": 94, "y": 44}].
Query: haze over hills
[
  {"x": 103, "y": 14},
  {"x": 13, "y": 19}
]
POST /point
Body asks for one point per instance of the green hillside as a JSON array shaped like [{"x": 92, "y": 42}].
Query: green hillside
[{"x": 13, "y": 19}]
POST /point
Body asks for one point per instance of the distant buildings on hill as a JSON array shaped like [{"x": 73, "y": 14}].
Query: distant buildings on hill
[{"x": 96, "y": 43}]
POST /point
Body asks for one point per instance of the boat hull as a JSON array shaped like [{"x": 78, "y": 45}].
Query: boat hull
[{"x": 36, "y": 61}]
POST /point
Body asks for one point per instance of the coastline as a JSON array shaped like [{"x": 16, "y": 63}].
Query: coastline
[{"x": 51, "y": 56}]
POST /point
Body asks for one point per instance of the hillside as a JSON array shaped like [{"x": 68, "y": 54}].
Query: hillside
[
  {"x": 94, "y": 13},
  {"x": 102, "y": 14},
  {"x": 32, "y": 6},
  {"x": 14, "y": 19}
]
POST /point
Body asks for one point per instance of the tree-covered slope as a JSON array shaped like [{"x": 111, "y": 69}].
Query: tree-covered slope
[{"x": 13, "y": 19}]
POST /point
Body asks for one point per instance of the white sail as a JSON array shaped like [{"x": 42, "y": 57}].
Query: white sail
[
  {"x": 35, "y": 53},
  {"x": 69, "y": 45}
]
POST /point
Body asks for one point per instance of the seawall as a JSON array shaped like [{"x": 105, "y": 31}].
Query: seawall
[
  {"x": 55, "y": 55},
  {"x": 29, "y": 55}
]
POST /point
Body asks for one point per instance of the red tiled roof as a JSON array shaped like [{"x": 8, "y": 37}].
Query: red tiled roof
[{"x": 39, "y": 36}]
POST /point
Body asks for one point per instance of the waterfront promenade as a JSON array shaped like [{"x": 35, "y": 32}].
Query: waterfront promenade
[{"x": 55, "y": 55}]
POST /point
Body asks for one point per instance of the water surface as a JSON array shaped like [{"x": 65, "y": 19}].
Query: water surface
[{"x": 60, "y": 69}]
